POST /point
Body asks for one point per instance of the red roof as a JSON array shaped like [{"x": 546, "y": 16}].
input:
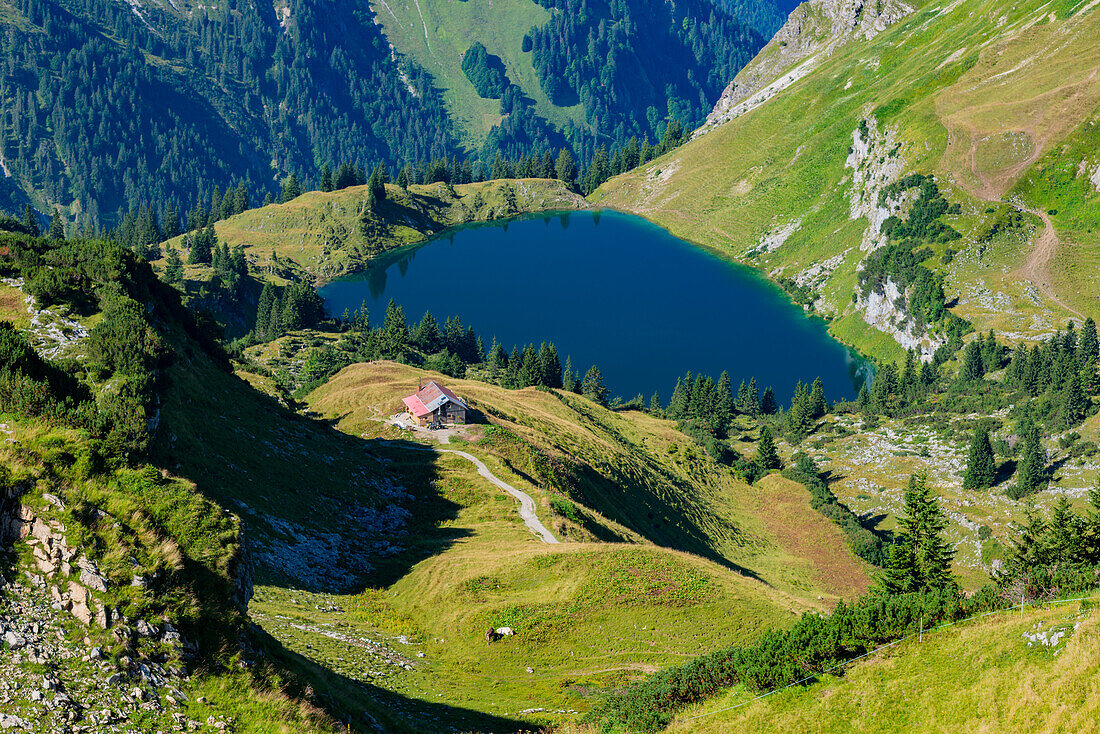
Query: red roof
[
  {"x": 415, "y": 406},
  {"x": 430, "y": 398}
]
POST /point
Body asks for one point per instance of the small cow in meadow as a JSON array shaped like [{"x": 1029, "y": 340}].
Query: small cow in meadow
[{"x": 494, "y": 634}]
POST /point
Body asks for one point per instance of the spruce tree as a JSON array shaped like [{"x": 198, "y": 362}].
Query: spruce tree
[
  {"x": 863, "y": 399},
  {"x": 427, "y": 335},
  {"x": 1064, "y": 534},
  {"x": 593, "y": 387},
  {"x": 981, "y": 466},
  {"x": 565, "y": 168},
  {"x": 326, "y": 178},
  {"x": 752, "y": 398},
  {"x": 569, "y": 378},
  {"x": 817, "y": 404},
  {"x": 263, "y": 313},
  {"x": 1074, "y": 405},
  {"x": 681, "y": 398},
  {"x": 972, "y": 367},
  {"x": 723, "y": 404},
  {"x": 30, "y": 221},
  {"x": 1028, "y": 548},
  {"x": 923, "y": 523},
  {"x": 768, "y": 404},
  {"x": 742, "y": 397},
  {"x": 57, "y": 227},
  {"x": 395, "y": 330},
  {"x": 767, "y": 457},
  {"x": 899, "y": 575},
  {"x": 1031, "y": 469},
  {"x": 291, "y": 189},
  {"x": 173, "y": 268},
  {"x": 655, "y": 405},
  {"x": 1089, "y": 348}
]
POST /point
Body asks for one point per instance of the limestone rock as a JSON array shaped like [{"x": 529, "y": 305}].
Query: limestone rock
[{"x": 813, "y": 31}]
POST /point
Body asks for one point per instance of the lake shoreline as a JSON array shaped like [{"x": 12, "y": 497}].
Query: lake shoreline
[{"x": 656, "y": 298}]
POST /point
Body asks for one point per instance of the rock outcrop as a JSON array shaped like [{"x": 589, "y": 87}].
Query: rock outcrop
[
  {"x": 813, "y": 32},
  {"x": 882, "y": 311}
]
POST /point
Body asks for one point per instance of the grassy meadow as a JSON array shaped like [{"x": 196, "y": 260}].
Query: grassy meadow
[{"x": 624, "y": 593}]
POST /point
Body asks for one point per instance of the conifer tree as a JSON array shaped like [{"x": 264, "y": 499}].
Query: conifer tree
[
  {"x": 262, "y": 329},
  {"x": 1027, "y": 549},
  {"x": 30, "y": 221},
  {"x": 395, "y": 330},
  {"x": 899, "y": 575},
  {"x": 565, "y": 167},
  {"x": 173, "y": 268},
  {"x": 57, "y": 226},
  {"x": 428, "y": 336},
  {"x": 768, "y": 404},
  {"x": 1031, "y": 470},
  {"x": 723, "y": 403},
  {"x": 1089, "y": 348},
  {"x": 569, "y": 378},
  {"x": 529, "y": 367},
  {"x": 742, "y": 397},
  {"x": 655, "y": 404},
  {"x": 291, "y": 189},
  {"x": 766, "y": 454},
  {"x": 923, "y": 524},
  {"x": 972, "y": 367},
  {"x": 1074, "y": 405},
  {"x": 1064, "y": 534},
  {"x": 202, "y": 246},
  {"x": 817, "y": 404},
  {"x": 593, "y": 387},
  {"x": 752, "y": 398},
  {"x": 800, "y": 417},
  {"x": 681, "y": 398},
  {"x": 326, "y": 178},
  {"x": 981, "y": 466},
  {"x": 864, "y": 397}
]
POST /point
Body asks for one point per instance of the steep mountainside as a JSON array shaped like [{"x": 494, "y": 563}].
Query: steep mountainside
[
  {"x": 992, "y": 109},
  {"x": 104, "y": 98},
  {"x": 586, "y": 73}
]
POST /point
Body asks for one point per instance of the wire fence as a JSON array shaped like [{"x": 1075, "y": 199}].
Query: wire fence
[{"x": 919, "y": 634}]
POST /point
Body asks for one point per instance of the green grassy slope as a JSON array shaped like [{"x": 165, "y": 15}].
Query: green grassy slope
[
  {"x": 589, "y": 615},
  {"x": 973, "y": 93},
  {"x": 320, "y": 235},
  {"x": 978, "y": 676},
  {"x": 436, "y": 34},
  {"x": 633, "y": 470}
]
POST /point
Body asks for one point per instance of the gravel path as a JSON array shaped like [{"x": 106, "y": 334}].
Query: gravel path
[{"x": 526, "y": 503}]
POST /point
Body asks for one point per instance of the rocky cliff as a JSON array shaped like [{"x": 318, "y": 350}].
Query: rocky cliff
[{"x": 814, "y": 30}]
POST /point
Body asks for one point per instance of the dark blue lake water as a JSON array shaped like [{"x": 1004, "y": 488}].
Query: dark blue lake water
[{"x": 613, "y": 290}]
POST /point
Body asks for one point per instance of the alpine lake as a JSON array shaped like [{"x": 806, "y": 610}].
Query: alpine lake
[{"x": 613, "y": 290}]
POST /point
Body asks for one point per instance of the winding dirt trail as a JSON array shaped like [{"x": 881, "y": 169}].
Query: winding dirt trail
[
  {"x": 526, "y": 503},
  {"x": 1036, "y": 268},
  {"x": 991, "y": 188}
]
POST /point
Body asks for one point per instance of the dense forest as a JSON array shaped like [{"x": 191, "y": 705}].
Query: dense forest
[
  {"x": 638, "y": 66},
  {"x": 101, "y": 101}
]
